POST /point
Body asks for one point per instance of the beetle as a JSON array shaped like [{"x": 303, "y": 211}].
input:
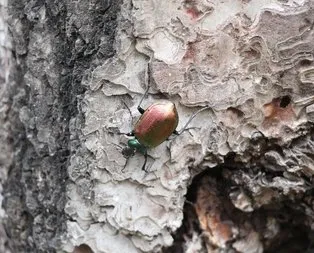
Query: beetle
[{"x": 155, "y": 125}]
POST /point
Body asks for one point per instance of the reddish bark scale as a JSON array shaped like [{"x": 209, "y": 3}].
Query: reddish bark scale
[
  {"x": 193, "y": 12},
  {"x": 156, "y": 124},
  {"x": 276, "y": 115},
  {"x": 273, "y": 111}
]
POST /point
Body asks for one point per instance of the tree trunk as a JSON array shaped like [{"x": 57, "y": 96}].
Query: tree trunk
[{"x": 238, "y": 179}]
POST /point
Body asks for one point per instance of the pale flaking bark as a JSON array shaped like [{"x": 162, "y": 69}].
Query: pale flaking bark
[{"x": 245, "y": 165}]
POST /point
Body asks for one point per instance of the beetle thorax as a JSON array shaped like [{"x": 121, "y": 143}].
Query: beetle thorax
[{"x": 136, "y": 146}]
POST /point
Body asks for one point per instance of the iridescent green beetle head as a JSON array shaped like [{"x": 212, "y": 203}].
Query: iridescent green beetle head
[{"x": 133, "y": 146}]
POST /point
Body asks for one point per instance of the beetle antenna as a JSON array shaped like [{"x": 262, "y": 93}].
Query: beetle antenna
[{"x": 190, "y": 119}]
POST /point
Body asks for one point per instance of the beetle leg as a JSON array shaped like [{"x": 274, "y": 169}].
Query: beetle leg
[
  {"x": 190, "y": 119},
  {"x": 126, "y": 162},
  {"x": 175, "y": 132},
  {"x": 130, "y": 134},
  {"x": 139, "y": 108},
  {"x": 147, "y": 82},
  {"x": 144, "y": 165}
]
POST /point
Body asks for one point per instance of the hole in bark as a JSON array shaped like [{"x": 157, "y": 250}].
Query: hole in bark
[
  {"x": 230, "y": 157},
  {"x": 211, "y": 212},
  {"x": 285, "y": 101},
  {"x": 236, "y": 112},
  {"x": 292, "y": 239},
  {"x": 83, "y": 248},
  {"x": 264, "y": 81},
  {"x": 305, "y": 62}
]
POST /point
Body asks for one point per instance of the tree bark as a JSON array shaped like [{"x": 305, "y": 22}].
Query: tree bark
[{"x": 239, "y": 179}]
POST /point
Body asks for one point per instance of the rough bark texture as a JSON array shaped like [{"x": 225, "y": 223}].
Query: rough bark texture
[
  {"x": 5, "y": 147},
  {"x": 70, "y": 84},
  {"x": 55, "y": 43}
]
